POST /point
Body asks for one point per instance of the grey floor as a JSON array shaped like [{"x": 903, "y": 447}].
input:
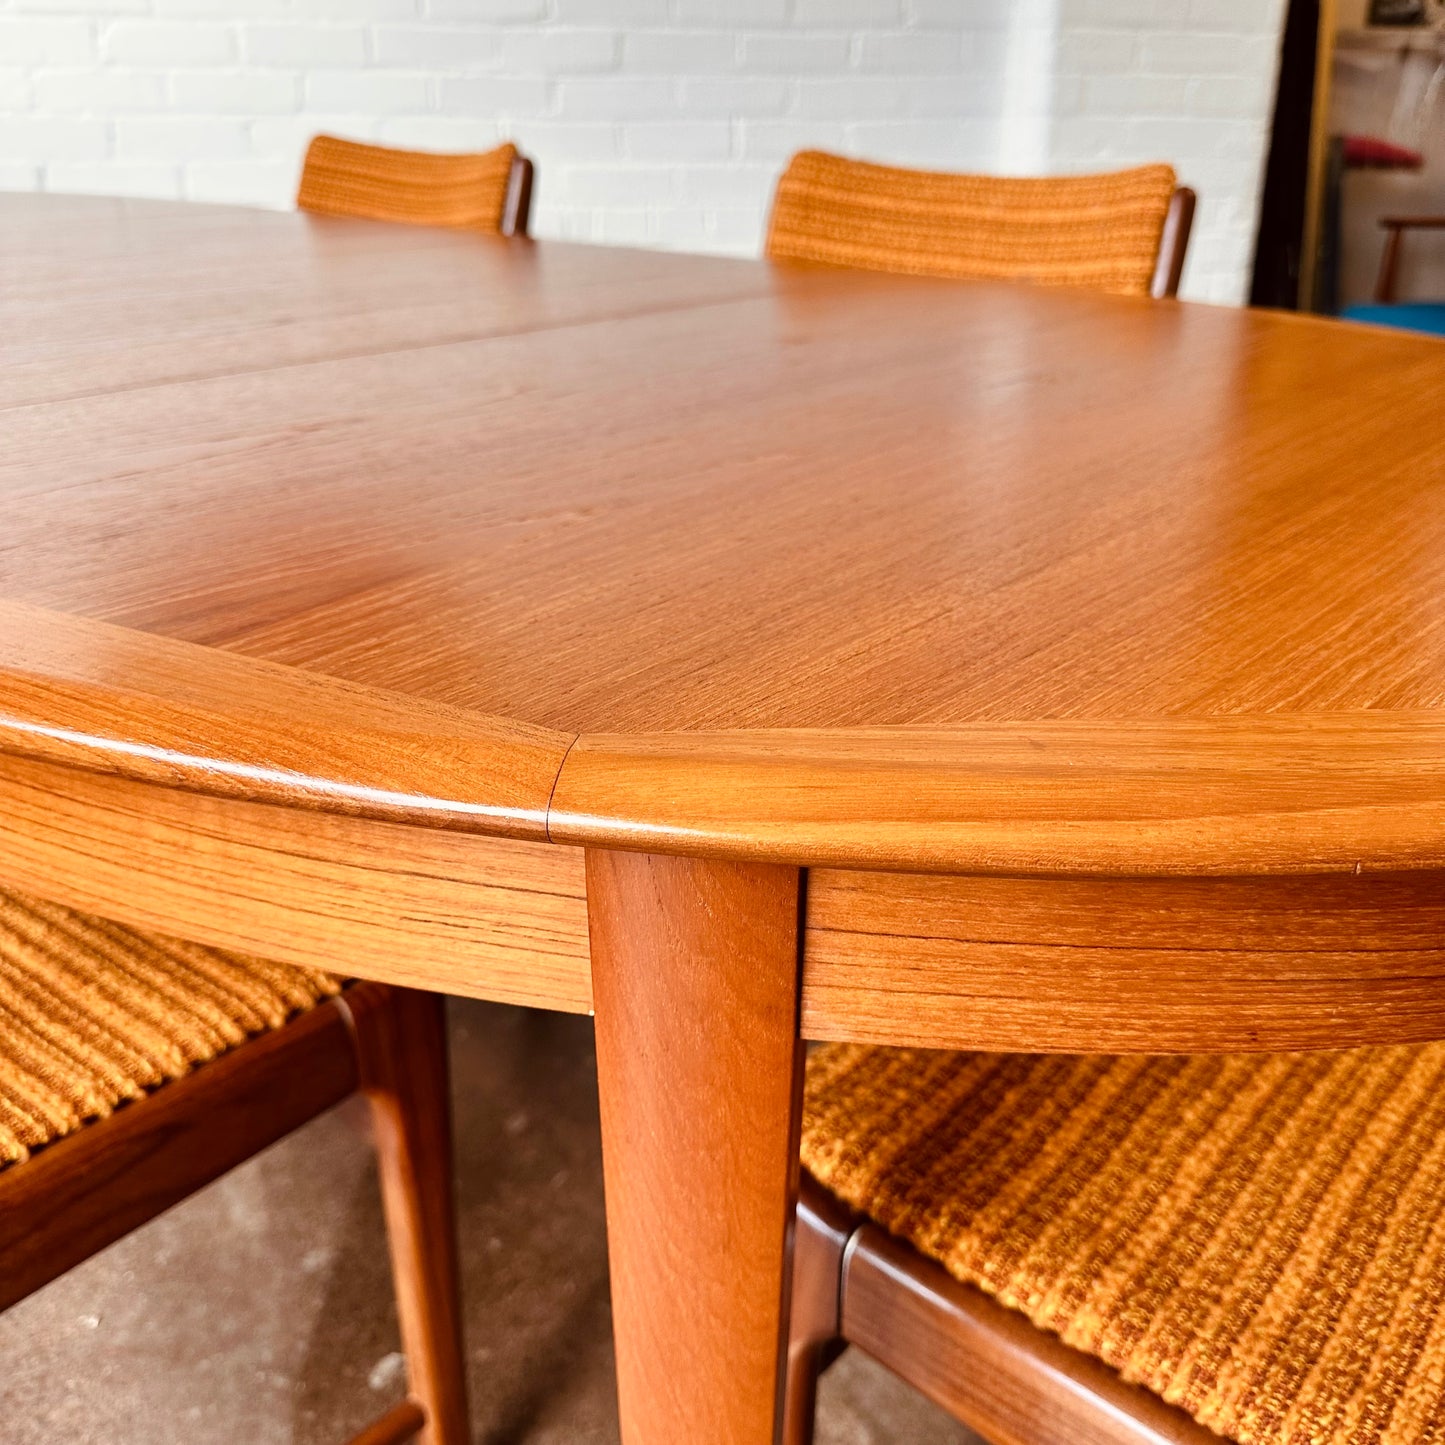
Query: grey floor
[{"x": 260, "y": 1310}]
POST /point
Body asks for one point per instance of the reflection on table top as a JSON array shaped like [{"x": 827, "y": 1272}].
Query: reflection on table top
[{"x": 600, "y": 492}]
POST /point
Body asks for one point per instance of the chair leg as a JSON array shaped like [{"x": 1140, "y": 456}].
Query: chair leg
[
  {"x": 1389, "y": 265},
  {"x": 823, "y": 1230},
  {"x": 401, "y": 1050}
]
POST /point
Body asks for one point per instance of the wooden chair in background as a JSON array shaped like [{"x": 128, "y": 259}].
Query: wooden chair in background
[
  {"x": 1093, "y": 1250},
  {"x": 1395, "y": 227},
  {"x": 1126, "y": 231},
  {"x": 134, "y": 1069},
  {"x": 490, "y": 191}
]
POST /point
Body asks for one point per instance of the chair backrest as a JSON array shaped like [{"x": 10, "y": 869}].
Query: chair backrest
[
  {"x": 1106, "y": 231},
  {"x": 490, "y": 191}
]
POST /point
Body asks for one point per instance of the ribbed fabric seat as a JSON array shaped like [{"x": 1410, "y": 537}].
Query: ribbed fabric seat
[
  {"x": 1259, "y": 1239},
  {"x": 1100, "y": 230},
  {"x": 93, "y": 1014},
  {"x": 422, "y": 188}
]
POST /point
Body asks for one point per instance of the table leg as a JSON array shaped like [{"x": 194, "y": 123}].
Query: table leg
[{"x": 695, "y": 985}]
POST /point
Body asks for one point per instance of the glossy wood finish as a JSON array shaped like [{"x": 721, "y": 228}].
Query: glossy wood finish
[
  {"x": 1262, "y": 794},
  {"x": 1174, "y": 243},
  {"x": 503, "y": 919},
  {"x": 76, "y": 1196},
  {"x": 1098, "y": 510},
  {"x": 1102, "y": 514},
  {"x": 403, "y": 1421},
  {"x": 821, "y": 1233},
  {"x": 327, "y": 621},
  {"x": 517, "y": 210},
  {"x": 105, "y": 698},
  {"x": 695, "y": 976},
  {"x": 401, "y": 1050},
  {"x": 987, "y": 1365},
  {"x": 110, "y": 295},
  {"x": 1124, "y": 965},
  {"x": 1174, "y": 796}
]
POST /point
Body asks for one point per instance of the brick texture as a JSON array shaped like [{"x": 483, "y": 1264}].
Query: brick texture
[{"x": 653, "y": 122}]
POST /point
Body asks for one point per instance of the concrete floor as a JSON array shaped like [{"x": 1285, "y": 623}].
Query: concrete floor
[{"x": 260, "y": 1310}]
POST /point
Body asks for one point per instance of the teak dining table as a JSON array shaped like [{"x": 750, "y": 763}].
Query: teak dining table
[{"x": 745, "y": 654}]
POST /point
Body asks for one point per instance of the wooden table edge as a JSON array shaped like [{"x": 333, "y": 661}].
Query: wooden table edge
[
  {"x": 111, "y": 699},
  {"x": 1171, "y": 797},
  {"x": 1168, "y": 797},
  {"x": 1299, "y": 906}
]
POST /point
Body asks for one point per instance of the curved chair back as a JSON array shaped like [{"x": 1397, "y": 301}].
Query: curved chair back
[
  {"x": 1125, "y": 231},
  {"x": 489, "y": 191}
]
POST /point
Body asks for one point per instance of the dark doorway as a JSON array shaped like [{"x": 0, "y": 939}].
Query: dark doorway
[{"x": 1279, "y": 242}]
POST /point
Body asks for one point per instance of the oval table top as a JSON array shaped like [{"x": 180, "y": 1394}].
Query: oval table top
[{"x": 717, "y": 557}]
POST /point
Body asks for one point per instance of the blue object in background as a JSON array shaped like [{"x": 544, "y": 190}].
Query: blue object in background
[{"x": 1406, "y": 315}]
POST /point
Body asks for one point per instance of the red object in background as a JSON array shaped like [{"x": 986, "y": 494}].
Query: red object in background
[{"x": 1368, "y": 152}]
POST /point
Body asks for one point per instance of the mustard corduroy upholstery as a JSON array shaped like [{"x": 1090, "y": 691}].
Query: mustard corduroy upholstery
[
  {"x": 422, "y": 188},
  {"x": 1259, "y": 1239},
  {"x": 1101, "y": 231},
  {"x": 93, "y": 1014}
]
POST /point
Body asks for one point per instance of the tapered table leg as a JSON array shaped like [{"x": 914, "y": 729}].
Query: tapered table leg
[{"x": 695, "y": 985}]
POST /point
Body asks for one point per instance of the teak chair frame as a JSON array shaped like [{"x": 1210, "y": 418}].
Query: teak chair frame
[
  {"x": 1395, "y": 227},
  {"x": 517, "y": 208},
  {"x": 74, "y": 1197},
  {"x": 1173, "y": 244},
  {"x": 986, "y": 1365}
]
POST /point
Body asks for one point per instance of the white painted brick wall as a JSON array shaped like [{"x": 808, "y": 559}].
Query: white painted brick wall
[{"x": 653, "y": 122}]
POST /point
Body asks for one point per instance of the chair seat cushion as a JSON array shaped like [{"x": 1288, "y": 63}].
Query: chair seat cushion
[
  {"x": 93, "y": 1014},
  {"x": 1259, "y": 1239}
]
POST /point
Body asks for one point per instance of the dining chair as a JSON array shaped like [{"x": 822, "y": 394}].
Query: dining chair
[
  {"x": 490, "y": 191},
  {"x": 1099, "y": 1250},
  {"x": 136, "y": 1068},
  {"x": 1124, "y": 231},
  {"x": 1395, "y": 228}
]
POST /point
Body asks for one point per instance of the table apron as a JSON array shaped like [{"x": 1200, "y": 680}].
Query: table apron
[
  {"x": 504, "y": 919},
  {"x": 1006, "y": 963}
]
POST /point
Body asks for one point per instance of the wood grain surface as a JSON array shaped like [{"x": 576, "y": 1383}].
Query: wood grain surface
[
  {"x": 496, "y": 918},
  {"x": 113, "y": 700},
  {"x": 357, "y": 578},
  {"x": 443, "y": 533},
  {"x": 101, "y": 295},
  {"x": 401, "y": 1050},
  {"x": 508, "y": 478},
  {"x": 695, "y": 972},
  {"x": 1277, "y": 793},
  {"x": 1124, "y": 965},
  {"x": 987, "y": 1365}
]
